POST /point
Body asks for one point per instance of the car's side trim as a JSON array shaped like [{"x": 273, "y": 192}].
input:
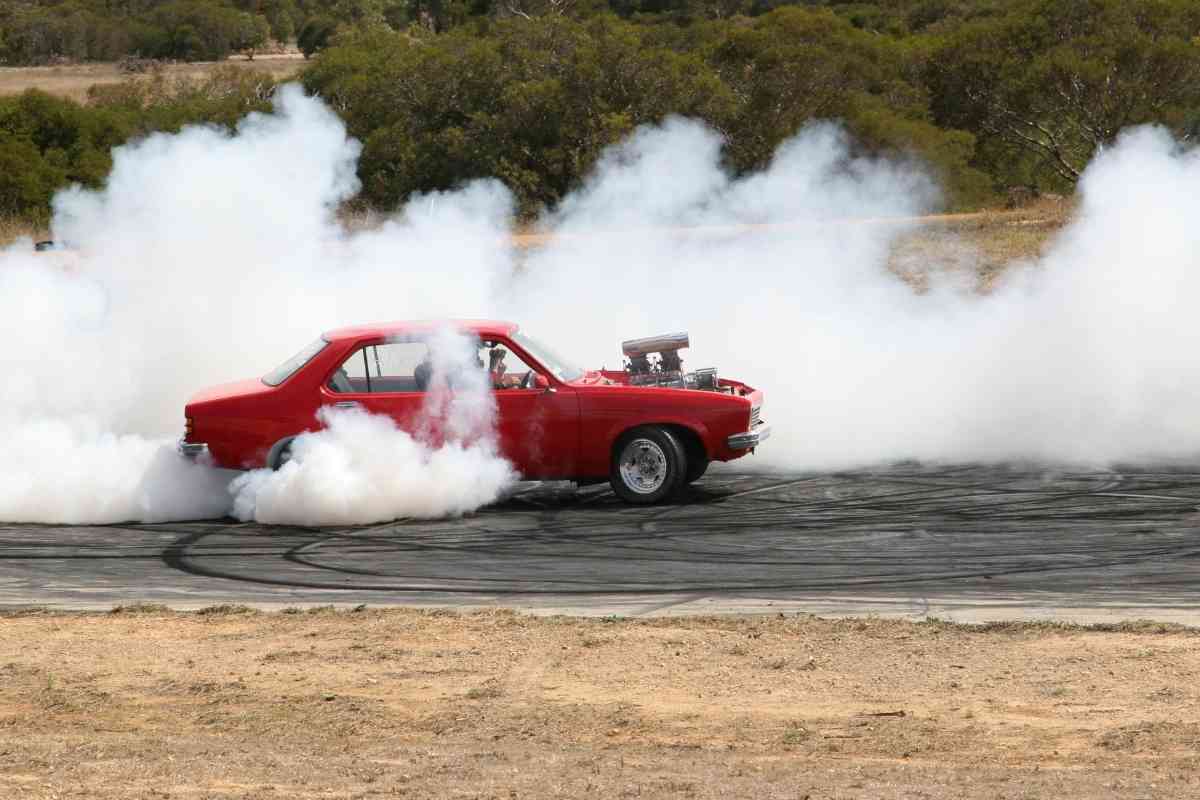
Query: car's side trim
[{"x": 749, "y": 439}]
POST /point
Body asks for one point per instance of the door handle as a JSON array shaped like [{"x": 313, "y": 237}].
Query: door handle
[{"x": 346, "y": 404}]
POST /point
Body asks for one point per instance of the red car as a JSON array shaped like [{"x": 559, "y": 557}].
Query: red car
[{"x": 649, "y": 429}]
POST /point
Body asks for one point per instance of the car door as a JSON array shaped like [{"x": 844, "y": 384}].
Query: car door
[
  {"x": 536, "y": 421},
  {"x": 381, "y": 377},
  {"x": 537, "y": 416}
]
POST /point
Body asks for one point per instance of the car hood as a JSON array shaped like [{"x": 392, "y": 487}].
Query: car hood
[
  {"x": 595, "y": 377},
  {"x": 620, "y": 380}
]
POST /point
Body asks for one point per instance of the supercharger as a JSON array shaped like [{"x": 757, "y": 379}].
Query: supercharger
[{"x": 655, "y": 361}]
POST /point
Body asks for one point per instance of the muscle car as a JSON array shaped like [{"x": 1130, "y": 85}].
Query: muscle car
[{"x": 648, "y": 429}]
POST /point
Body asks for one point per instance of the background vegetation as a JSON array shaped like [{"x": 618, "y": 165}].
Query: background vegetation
[{"x": 990, "y": 94}]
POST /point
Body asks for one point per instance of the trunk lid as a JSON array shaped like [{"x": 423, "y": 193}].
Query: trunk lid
[{"x": 250, "y": 387}]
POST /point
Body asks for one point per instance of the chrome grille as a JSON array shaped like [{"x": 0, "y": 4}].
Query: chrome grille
[{"x": 755, "y": 415}]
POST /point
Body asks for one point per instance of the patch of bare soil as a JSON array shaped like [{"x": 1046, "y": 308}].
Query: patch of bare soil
[
  {"x": 147, "y": 703},
  {"x": 73, "y": 80},
  {"x": 971, "y": 249},
  {"x": 975, "y": 250},
  {"x": 13, "y": 228}
]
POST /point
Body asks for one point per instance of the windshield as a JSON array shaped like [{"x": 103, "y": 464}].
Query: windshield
[
  {"x": 288, "y": 368},
  {"x": 562, "y": 369}
]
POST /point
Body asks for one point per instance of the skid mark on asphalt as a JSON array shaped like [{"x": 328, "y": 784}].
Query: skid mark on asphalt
[{"x": 987, "y": 533}]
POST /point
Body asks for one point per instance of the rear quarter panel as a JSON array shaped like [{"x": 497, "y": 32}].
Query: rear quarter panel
[
  {"x": 241, "y": 427},
  {"x": 240, "y": 432}
]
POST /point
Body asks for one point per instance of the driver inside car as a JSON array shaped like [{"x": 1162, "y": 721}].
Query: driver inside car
[{"x": 497, "y": 369}]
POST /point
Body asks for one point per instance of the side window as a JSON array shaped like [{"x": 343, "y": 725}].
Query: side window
[
  {"x": 506, "y": 368},
  {"x": 386, "y": 367}
]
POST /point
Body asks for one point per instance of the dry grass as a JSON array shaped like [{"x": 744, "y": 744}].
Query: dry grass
[
  {"x": 972, "y": 248},
  {"x": 978, "y": 247},
  {"x": 12, "y": 228},
  {"x": 975, "y": 248},
  {"x": 407, "y": 703},
  {"x": 74, "y": 80}
]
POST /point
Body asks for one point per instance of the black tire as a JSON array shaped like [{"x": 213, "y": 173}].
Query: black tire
[
  {"x": 655, "y": 466},
  {"x": 697, "y": 456},
  {"x": 280, "y": 455}
]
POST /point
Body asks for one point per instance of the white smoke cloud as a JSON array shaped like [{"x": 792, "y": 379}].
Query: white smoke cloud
[
  {"x": 211, "y": 256},
  {"x": 806, "y": 311},
  {"x": 69, "y": 471},
  {"x": 1085, "y": 357},
  {"x": 1090, "y": 354},
  {"x": 361, "y": 468}
]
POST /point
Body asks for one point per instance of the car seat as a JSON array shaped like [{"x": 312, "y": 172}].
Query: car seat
[
  {"x": 340, "y": 382},
  {"x": 421, "y": 375}
]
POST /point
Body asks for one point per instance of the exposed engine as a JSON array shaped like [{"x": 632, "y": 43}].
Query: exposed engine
[{"x": 667, "y": 369}]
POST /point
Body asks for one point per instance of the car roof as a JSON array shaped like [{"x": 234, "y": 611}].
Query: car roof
[{"x": 480, "y": 327}]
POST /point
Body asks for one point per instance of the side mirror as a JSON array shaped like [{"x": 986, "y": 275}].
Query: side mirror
[{"x": 540, "y": 381}]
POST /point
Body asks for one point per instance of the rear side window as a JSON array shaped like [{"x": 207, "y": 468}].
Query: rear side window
[
  {"x": 385, "y": 367},
  {"x": 289, "y": 368}
]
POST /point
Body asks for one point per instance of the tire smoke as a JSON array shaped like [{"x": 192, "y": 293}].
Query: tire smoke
[
  {"x": 1084, "y": 357},
  {"x": 210, "y": 256}
]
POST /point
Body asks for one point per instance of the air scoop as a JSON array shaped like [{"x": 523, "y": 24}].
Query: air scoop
[
  {"x": 667, "y": 369},
  {"x": 667, "y": 342}
]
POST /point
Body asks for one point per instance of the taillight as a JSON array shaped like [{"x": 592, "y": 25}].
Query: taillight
[{"x": 188, "y": 427}]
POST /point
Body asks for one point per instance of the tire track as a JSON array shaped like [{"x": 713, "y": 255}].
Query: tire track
[{"x": 971, "y": 532}]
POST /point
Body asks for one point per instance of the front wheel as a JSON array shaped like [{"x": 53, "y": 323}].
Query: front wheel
[{"x": 648, "y": 466}]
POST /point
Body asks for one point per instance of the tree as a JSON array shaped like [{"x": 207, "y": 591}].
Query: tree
[
  {"x": 26, "y": 179},
  {"x": 253, "y": 33},
  {"x": 532, "y": 103},
  {"x": 280, "y": 16},
  {"x": 315, "y": 35},
  {"x": 47, "y": 142},
  {"x": 1058, "y": 79},
  {"x": 795, "y": 65}
]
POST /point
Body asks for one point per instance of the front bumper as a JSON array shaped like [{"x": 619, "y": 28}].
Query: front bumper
[
  {"x": 191, "y": 449},
  {"x": 750, "y": 439}
]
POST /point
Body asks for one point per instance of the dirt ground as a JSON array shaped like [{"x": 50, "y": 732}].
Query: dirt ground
[
  {"x": 224, "y": 703},
  {"x": 74, "y": 80},
  {"x": 981, "y": 245},
  {"x": 12, "y": 229},
  {"x": 970, "y": 249},
  {"x": 977, "y": 247}
]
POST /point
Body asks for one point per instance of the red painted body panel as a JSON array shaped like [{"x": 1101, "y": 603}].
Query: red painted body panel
[{"x": 566, "y": 431}]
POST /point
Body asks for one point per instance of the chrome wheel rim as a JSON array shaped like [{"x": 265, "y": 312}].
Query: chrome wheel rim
[{"x": 643, "y": 466}]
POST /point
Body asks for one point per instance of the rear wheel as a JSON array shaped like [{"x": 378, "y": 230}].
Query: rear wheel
[
  {"x": 648, "y": 466},
  {"x": 280, "y": 454}
]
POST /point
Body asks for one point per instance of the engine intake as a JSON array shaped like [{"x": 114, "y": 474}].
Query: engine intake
[{"x": 667, "y": 369}]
